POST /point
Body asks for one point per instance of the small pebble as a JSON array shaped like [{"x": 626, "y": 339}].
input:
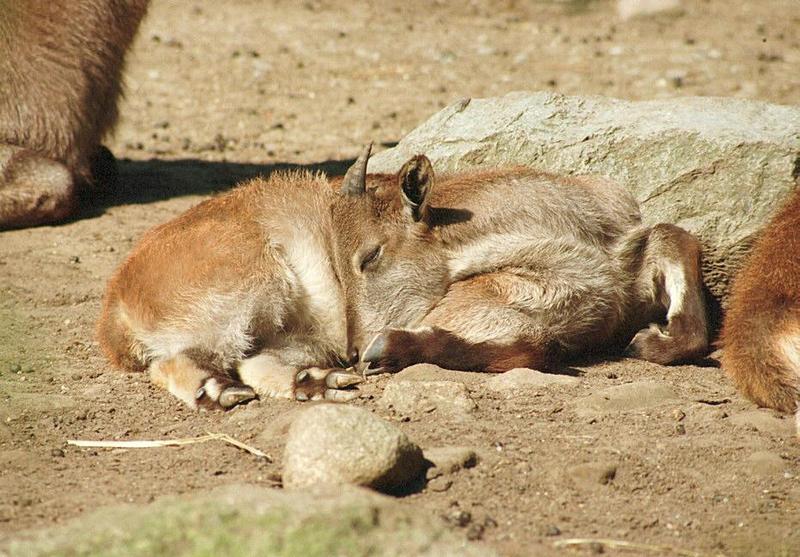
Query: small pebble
[
  {"x": 57, "y": 453},
  {"x": 597, "y": 548},
  {"x": 475, "y": 531},
  {"x": 552, "y": 530},
  {"x": 458, "y": 518}
]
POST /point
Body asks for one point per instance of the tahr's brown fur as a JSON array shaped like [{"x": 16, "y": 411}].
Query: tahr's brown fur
[
  {"x": 60, "y": 67},
  {"x": 761, "y": 332},
  {"x": 270, "y": 288}
]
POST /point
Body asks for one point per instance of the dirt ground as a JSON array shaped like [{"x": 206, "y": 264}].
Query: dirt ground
[{"x": 218, "y": 91}]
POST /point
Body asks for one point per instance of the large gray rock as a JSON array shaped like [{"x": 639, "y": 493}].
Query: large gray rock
[
  {"x": 336, "y": 444},
  {"x": 250, "y": 520},
  {"x": 717, "y": 167}
]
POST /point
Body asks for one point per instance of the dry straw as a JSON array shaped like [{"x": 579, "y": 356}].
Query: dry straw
[{"x": 145, "y": 444}]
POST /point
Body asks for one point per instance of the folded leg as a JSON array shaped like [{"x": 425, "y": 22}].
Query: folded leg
[
  {"x": 33, "y": 190},
  {"x": 669, "y": 289},
  {"x": 486, "y": 323}
]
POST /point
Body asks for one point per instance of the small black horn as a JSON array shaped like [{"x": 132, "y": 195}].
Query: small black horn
[{"x": 355, "y": 181}]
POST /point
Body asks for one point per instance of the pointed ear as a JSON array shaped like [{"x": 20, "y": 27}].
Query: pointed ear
[
  {"x": 355, "y": 180},
  {"x": 416, "y": 183}
]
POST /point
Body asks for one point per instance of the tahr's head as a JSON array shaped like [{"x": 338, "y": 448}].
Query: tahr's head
[{"x": 388, "y": 257}]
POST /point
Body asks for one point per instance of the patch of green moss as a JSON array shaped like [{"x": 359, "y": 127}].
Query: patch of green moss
[{"x": 242, "y": 523}]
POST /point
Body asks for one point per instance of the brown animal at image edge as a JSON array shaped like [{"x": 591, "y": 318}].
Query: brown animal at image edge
[
  {"x": 60, "y": 88},
  {"x": 276, "y": 287},
  {"x": 761, "y": 332}
]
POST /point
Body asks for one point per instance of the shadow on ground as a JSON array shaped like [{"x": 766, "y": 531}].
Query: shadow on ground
[{"x": 148, "y": 181}]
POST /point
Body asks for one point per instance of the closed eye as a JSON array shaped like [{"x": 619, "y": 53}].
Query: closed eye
[{"x": 370, "y": 257}]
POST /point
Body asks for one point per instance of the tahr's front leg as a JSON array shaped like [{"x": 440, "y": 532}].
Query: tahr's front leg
[
  {"x": 271, "y": 376},
  {"x": 477, "y": 326},
  {"x": 198, "y": 384}
]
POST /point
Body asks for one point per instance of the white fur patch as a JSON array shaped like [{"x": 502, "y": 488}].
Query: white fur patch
[
  {"x": 212, "y": 388},
  {"x": 316, "y": 283},
  {"x": 675, "y": 286},
  {"x": 217, "y": 322},
  {"x": 268, "y": 376}
]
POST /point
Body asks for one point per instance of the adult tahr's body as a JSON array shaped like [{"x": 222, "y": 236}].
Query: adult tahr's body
[{"x": 60, "y": 80}]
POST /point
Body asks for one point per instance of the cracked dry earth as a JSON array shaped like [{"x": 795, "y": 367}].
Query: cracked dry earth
[{"x": 221, "y": 91}]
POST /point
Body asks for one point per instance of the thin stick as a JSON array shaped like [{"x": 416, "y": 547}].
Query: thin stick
[
  {"x": 236, "y": 443},
  {"x": 622, "y": 544},
  {"x": 143, "y": 444}
]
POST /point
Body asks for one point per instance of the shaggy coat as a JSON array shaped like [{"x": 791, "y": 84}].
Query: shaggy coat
[
  {"x": 761, "y": 332},
  {"x": 275, "y": 287},
  {"x": 60, "y": 68}
]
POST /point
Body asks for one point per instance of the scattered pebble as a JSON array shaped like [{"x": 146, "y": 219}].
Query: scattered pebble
[
  {"x": 592, "y": 474},
  {"x": 447, "y": 460},
  {"x": 415, "y": 397},
  {"x": 513, "y": 381},
  {"x": 430, "y": 372},
  {"x": 475, "y": 531},
  {"x": 334, "y": 444},
  {"x": 597, "y": 548},
  {"x": 551, "y": 530},
  {"x": 458, "y": 517}
]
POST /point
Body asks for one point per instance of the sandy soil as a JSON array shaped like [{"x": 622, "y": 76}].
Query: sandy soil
[{"x": 218, "y": 91}]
